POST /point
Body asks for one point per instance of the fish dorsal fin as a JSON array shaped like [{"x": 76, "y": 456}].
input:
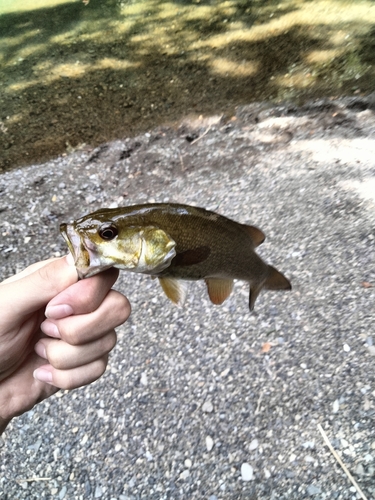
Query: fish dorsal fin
[
  {"x": 255, "y": 234},
  {"x": 276, "y": 281},
  {"x": 174, "y": 289},
  {"x": 192, "y": 256},
  {"x": 219, "y": 289}
]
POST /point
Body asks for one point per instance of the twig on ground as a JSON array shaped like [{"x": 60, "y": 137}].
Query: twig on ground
[
  {"x": 182, "y": 162},
  {"x": 344, "y": 468},
  {"x": 258, "y": 403},
  {"x": 32, "y": 479},
  {"x": 200, "y": 137}
]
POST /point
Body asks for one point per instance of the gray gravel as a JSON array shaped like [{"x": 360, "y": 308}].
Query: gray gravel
[{"x": 207, "y": 402}]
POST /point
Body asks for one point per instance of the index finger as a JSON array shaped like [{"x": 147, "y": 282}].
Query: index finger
[
  {"x": 35, "y": 289},
  {"x": 82, "y": 297}
]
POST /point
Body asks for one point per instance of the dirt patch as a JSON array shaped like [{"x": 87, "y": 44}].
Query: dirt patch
[{"x": 74, "y": 75}]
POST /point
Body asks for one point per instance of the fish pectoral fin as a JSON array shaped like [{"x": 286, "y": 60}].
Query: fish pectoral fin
[
  {"x": 276, "y": 281},
  {"x": 174, "y": 289},
  {"x": 192, "y": 256},
  {"x": 255, "y": 234},
  {"x": 219, "y": 289}
]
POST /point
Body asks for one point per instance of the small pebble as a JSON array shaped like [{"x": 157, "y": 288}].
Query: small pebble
[
  {"x": 98, "y": 492},
  {"x": 62, "y": 493},
  {"x": 371, "y": 350},
  {"x": 188, "y": 463},
  {"x": 336, "y": 406},
  {"x": 360, "y": 470},
  {"x": 346, "y": 348},
  {"x": 247, "y": 472},
  {"x": 313, "y": 490},
  {"x": 144, "y": 380},
  {"x": 209, "y": 443},
  {"x": 267, "y": 473},
  {"x": 84, "y": 439},
  {"x": 207, "y": 407},
  {"x": 184, "y": 474},
  {"x": 253, "y": 445}
]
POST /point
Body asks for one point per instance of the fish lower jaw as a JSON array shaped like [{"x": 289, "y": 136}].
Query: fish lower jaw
[{"x": 87, "y": 272}]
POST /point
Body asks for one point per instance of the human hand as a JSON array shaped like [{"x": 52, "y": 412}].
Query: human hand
[{"x": 55, "y": 332}]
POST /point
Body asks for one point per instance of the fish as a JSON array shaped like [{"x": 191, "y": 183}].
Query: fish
[{"x": 174, "y": 243}]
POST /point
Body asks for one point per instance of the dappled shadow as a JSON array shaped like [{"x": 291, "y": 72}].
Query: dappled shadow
[{"x": 74, "y": 74}]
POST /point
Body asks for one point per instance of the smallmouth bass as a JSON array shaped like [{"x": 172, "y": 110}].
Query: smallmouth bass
[{"x": 174, "y": 243}]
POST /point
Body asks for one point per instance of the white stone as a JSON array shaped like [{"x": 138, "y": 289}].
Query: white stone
[
  {"x": 253, "y": 445},
  {"x": 144, "y": 380},
  {"x": 209, "y": 443},
  {"x": 207, "y": 407},
  {"x": 184, "y": 474},
  {"x": 247, "y": 472}
]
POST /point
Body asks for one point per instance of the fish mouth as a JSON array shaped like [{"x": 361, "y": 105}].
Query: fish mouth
[{"x": 86, "y": 258}]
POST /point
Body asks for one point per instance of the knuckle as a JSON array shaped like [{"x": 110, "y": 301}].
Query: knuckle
[
  {"x": 122, "y": 307},
  {"x": 108, "y": 342}
]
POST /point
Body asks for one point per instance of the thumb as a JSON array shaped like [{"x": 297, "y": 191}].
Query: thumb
[{"x": 34, "y": 287}]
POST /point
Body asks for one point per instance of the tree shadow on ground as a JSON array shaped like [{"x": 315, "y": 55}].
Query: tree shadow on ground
[{"x": 74, "y": 74}]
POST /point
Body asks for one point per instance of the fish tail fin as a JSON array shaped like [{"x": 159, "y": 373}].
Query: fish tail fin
[
  {"x": 254, "y": 292},
  {"x": 274, "y": 281},
  {"x": 255, "y": 234}
]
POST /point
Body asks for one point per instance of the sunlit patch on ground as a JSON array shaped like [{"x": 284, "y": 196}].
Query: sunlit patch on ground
[{"x": 171, "y": 59}]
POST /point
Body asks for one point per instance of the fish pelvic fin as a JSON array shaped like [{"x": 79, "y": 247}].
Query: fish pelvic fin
[
  {"x": 219, "y": 289},
  {"x": 274, "y": 281},
  {"x": 174, "y": 289},
  {"x": 255, "y": 234}
]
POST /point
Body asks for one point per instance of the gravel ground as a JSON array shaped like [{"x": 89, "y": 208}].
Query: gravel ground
[{"x": 207, "y": 402}]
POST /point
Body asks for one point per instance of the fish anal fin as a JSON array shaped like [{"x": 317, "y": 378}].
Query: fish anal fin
[
  {"x": 255, "y": 234},
  {"x": 192, "y": 256},
  {"x": 276, "y": 280},
  {"x": 219, "y": 289},
  {"x": 174, "y": 289}
]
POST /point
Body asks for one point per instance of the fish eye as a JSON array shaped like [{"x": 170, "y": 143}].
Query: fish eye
[{"x": 108, "y": 232}]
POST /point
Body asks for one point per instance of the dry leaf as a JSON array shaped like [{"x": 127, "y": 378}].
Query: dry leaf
[
  {"x": 266, "y": 346},
  {"x": 366, "y": 284}
]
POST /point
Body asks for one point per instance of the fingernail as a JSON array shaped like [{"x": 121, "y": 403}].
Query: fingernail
[
  {"x": 40, "y": 350},
  {"x": 58, "y": 312},
  {"x": 50, "y": 329},
  {"x": 43, "y": 375}
]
